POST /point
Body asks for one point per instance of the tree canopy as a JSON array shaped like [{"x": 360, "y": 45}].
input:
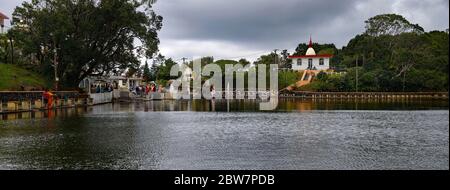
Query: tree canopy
[
  {"x": 86, "y": 37},
  {"x": 390, "y": 24},
  {"x": 319, "y": 48}
]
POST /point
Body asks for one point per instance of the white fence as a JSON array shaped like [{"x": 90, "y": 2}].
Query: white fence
[
  {"x": 101, "y": 98},
  {"x": 155, "y": 96}
]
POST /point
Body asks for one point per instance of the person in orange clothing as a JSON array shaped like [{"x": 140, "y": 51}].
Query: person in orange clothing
[{"x": 49, "y": 97}]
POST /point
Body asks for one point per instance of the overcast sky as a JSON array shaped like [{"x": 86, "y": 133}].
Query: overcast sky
[{"x": 248, "y": 28}]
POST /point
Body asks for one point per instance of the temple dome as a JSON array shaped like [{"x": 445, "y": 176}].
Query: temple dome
[{"x": 310, "y": 51}]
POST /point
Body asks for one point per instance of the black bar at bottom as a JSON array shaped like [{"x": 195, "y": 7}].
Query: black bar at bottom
[{"x": 232, "y": 179}]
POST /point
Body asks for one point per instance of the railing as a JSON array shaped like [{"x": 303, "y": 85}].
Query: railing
[
  {"x": 23, "y": 101},
  {"x": 34, "y": 95},
  {"x": 19, "y": 96},
  {"x": 306, "y": 94}
]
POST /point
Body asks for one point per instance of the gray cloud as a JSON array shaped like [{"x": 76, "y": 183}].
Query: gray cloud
[
  {"x": 258, "y": 25},
  {"x": 247, "y": 28},
  {"x": 253, "y": 21}
]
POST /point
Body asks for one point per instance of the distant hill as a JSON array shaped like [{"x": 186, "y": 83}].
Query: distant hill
[{"x": 14, "y": 78}]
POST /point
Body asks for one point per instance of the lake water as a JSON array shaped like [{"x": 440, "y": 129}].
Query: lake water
[{"x": 300, "y": 134}]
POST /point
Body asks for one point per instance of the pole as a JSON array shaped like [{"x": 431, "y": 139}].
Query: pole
[
  {"x": 12, "y": 49},
  {"x": 356, "y": 73},
  {"x": 276, "y": 56},
  {"x": 6, "y": 51},
  {"x": 55, "y": 62},
  {"x": 404, "y": 80},
  {"x": 285, "y": 80},
  {"x": 285, "y": 57}
]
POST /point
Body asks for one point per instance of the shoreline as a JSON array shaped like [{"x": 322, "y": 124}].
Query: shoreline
[
  {"x": 31, "y": 101},
  {"x": 287, "y": 98}
]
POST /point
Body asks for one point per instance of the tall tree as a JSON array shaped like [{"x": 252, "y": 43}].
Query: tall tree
[
  {"x": 87, "y": 37},
  {"x": 147, "y": 73},
  {"x": 164, "y": 69},
  {"x": 266, "y": 59},
  {"x": 244, "y": 62},
  {"x": 390, "y": 24}
]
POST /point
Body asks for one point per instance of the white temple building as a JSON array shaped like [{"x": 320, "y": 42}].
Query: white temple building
[{"x": 311, "y": 61}]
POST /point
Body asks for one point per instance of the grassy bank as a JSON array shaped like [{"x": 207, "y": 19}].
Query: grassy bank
[{"x": 14, "y": 78}]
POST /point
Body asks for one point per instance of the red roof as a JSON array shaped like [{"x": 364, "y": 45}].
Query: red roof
[
  {"x": 311, "y": 56},
  {"x": 2, "y": 16}
]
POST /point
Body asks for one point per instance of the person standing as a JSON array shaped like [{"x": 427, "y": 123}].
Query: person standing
[
  {"x": 153, "y": 88},
  {"x": 213, "y": 92},
  {"x": 49, "y": 97},
  {"x": 147, "y": 89},
  {"x": 137, "y": 90}
]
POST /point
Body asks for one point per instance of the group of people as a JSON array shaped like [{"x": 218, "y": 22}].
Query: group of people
[
  {"x": 104, "y": 88},
  {"x": 146, "y": 89}
]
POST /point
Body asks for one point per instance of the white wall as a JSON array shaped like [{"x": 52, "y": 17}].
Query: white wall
[
  {"x": 101, "y": 98},
  {"x": 304, "y": 64}
]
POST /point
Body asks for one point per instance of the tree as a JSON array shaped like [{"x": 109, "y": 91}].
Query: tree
[
  {"x": 164, "y": 70},
  {"x": 87, "y": 37},
  {"x": 154, "y": 70},
  {"x": 147, "y": 73},
  {"x": 390, "y": 24},
  {"x": 408, "y": 52},
  {"x": 302, "y": 47},
  {"x": 4, "y": 48},
  {"x": 404, "y": 62},
  {"x": 267, "y": 59},
  {"x": 244, "y": 62}
]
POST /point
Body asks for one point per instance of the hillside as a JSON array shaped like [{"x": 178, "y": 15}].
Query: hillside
[{"x": 13, "y": 78}]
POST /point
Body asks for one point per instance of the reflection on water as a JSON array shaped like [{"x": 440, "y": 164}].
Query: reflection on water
[
  {"x": 203, "y": 135},
  {"x": 284, "y": 105},
  {"x": 46, "y": 114}
]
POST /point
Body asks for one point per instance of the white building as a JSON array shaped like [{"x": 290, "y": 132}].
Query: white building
[
  {"x": 311, "y": 61},
  {"x": 2, "y": 21}
]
